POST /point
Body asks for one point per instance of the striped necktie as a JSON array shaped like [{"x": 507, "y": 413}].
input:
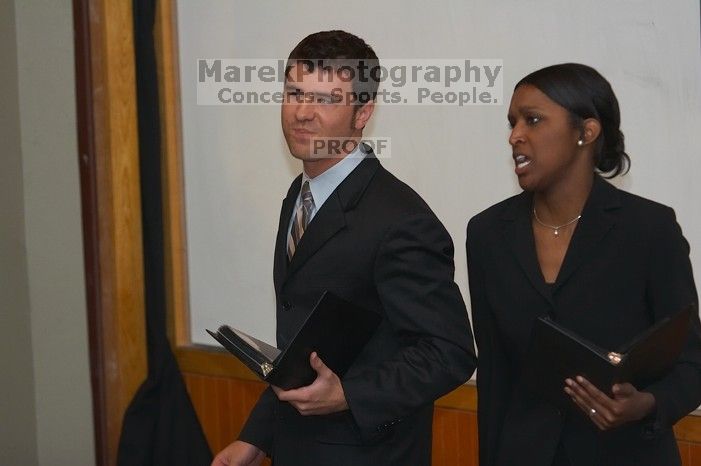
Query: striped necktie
[{"x": 302, "y": 217}]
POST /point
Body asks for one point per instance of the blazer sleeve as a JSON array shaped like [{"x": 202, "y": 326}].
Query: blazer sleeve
[
  {"x": 258, "y": 429},
  {"x": 493, "y": 379},
  {"x": 670, "y": 287},
  {"x": 413, "y": 274}
]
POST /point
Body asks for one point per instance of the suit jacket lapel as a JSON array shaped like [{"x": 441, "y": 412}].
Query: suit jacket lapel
[
  {"x": 325, "y": 224},
  {"x": 518, "y": 232},
  {"x": 280, "y": 262},
  {"x": 330, "y": 218},
  {"x": 598, "y": 217}
]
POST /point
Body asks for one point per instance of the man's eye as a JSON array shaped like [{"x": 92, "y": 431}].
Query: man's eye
[
  {"x": 295, "y": 94},
  {"x": 328, "y": 99}
]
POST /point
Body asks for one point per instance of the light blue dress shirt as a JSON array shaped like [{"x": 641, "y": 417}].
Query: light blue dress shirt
[{"x": 324, "y": 184}]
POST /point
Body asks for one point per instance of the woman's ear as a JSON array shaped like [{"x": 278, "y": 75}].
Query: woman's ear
[{"x": 591, "y": 129}]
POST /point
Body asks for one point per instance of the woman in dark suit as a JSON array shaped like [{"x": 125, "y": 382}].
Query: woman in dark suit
[{"x": 600, "y": 261}]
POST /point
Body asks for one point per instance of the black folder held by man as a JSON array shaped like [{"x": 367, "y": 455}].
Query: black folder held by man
[
  {"x": 556, "y": 354},
  {"x": 336, "y": 329}
]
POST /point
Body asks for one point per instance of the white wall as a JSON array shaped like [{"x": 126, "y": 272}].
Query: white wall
[
  {"x": 18, "y": 440},
  {"x": 237, "y": 167},
  {"x": 46, "y": 414}
]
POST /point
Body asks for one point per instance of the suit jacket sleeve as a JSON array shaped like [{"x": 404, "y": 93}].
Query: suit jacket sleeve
[
  {"x": 413, "y": 274},
  {"x": 670, "y": 287},
  {"x": 258, "y": 429},
  {"x": 493, "y": 379}
]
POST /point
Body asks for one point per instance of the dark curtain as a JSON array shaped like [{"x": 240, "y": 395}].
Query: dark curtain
[{"x": 160, "y": 426}]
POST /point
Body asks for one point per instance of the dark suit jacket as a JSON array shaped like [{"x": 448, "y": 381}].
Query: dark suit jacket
[
  {"x": 375, "y": 243},
  {"x": 627, "y": 266}
]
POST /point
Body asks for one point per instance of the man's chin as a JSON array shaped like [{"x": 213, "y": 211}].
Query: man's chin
[
  {"x": 301, "y": 154},
  {"x": 307, "y": 155}
]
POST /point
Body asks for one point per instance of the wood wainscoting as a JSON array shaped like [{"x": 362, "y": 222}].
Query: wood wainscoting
[
  {"x": 224, "y": 391},
  {"x": 223, "y": 403}
]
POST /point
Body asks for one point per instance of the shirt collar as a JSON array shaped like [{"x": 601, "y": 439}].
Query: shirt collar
[{"x": 324, "y": 184}]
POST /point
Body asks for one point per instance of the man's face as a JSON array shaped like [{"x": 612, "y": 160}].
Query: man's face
[{"x": 317, "y": 107}]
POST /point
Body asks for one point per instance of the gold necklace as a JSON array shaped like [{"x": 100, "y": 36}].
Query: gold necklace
[{"x": 555, "y": 228}]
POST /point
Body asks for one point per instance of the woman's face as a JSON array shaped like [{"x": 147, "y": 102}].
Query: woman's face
[{"x": 543, "y": 141}]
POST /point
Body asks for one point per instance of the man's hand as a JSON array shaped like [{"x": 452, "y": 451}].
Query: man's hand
[
  {"x": 324, "y": 396},
  {"x": 239, "y": 453},
  {"x": 627, "y": 405}
]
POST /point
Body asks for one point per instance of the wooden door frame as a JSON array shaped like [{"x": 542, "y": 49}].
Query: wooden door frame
[{"x": 111, "y": 211}]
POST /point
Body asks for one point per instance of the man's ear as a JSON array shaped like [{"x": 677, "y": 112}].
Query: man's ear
[{"x": 363, "y": 114}]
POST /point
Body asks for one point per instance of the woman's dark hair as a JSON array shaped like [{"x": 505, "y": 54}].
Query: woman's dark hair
[
  {"x": 340, "y": 50},
  {"x": 586, "y": 94}
]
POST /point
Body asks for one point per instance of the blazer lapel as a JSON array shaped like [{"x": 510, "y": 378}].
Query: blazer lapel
[
  {"x": 280, "y": 262},
  {"x": 325, "y": 224},
  {"x": 518, "y": 233},
  {"x": 330, "y": 218},
  {"x": 598, "y": 218}
]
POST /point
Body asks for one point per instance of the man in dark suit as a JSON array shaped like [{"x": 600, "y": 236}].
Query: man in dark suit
[{"x": 349, "y": 226}]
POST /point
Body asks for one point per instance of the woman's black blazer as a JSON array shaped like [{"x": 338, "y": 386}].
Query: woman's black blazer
[{"x": 627, "y": 267}]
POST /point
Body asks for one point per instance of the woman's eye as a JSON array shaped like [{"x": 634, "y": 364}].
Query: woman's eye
[{"x": 532, "y": 119}]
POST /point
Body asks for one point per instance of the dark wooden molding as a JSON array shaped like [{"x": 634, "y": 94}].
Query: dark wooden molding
[
  {"x": 88, "y": 194},
  {"x": 111, "y": 212}
]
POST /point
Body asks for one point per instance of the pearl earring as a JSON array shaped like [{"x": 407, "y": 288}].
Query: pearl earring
[{"x": 580, "y": 143}]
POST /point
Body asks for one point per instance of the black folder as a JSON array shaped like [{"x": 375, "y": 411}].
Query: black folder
[
  {"x": 556, "y": 353},
  {"x": 336, "y": 329}
]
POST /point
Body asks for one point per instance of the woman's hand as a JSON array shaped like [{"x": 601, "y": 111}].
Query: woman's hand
[
  {"x": 627, "y": 405},
  {"x": 239, "y": 453}
]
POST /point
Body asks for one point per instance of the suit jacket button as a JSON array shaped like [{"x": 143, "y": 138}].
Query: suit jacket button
[{"x": 286, "y": 306}]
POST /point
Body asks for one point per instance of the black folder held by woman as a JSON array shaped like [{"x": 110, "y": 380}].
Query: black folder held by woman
[
  {"x": 556, "y": 353},
  {"x": 336, "y": 329}
]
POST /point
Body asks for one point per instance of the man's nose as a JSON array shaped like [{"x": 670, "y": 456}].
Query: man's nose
[{"x": 305, "y": 111}]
